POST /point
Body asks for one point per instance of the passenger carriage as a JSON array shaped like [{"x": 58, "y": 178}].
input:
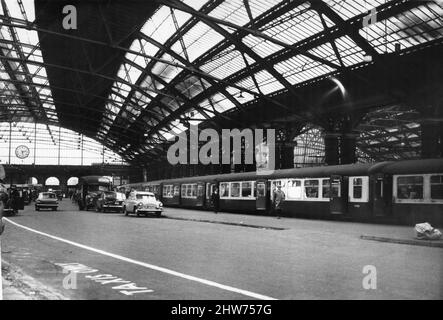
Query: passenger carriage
[{"x": 409, "y": 191}]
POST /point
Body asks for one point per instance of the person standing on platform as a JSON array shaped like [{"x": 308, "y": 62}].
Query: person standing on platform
[
  {"x": 279, "y": 198},
  {"x": 215, "y": 199}
]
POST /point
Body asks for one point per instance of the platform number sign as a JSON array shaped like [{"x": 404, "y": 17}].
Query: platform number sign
[{"x": 22, "y": 152}]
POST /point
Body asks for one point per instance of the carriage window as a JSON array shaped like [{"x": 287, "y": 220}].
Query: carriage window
[
  {"x": 335, "y": 188},
  {"x": 224, "y": 189},
  {"x": 235, "y": 189},
  {"x": 294, "y": 189},
  {"x": 410, "y": 187},
  {"x": 194, "y": 190},
  {"x": 276, "y": 183},
  {"x": 200, "y": 190},
  {"x": 208, "y": 190},
  {"x": 379, "y": 188},
  {"x": 183, "y": 190},
  {"x": 167, "y": 191},
  {"x": 176, "y": 190},
  {"x": 311, "y": 188},
  {"x": 189, "y": 190},
  {"x": 246, "y": 189},
  {"x": 260, "y": 189},
  {"x": 326, "y": 188},
  {"x": 357, "y": 188},
  {"x": 437, "y": 187},
  {"x": 211, "y": 189}
]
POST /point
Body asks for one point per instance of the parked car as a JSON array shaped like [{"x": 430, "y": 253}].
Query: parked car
[
  {"x": 46, "y": 200},
  {"x": 142, "y": 202},
  {"x": 91, "y": 199},
  {"x": 59, "y": 194},
  {"x": 110, "y": 201}
]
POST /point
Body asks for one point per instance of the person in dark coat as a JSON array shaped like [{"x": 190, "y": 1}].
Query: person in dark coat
[
  {"x": 279, "y": 198},
  {"x": 15, "y": 200},
  {"x": 215, "y": 197}
]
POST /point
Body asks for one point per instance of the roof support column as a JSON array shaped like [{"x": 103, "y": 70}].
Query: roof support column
[
  {"x": 332, "y": 154},
  {"x": 348, "y": 148},
  {"x": 432, "y": 129},
  {"x": 284, "y": 157},
  {"x": 431, "y": 136}
]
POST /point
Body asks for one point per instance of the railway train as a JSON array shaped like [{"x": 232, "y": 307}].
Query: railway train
[{"x": 401, "y": 192}]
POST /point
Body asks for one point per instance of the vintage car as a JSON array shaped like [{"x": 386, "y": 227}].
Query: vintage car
[
  {"x": 91, "y": 199},
  {"x": 110, "y": 201},
  {"x": 142, "y": 203},
  {"x": 59, "y": 194},
  {"x": 46, "y": 200}
]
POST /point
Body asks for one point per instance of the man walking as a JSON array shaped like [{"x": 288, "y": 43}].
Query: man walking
[
  {"x": 279, "y": 198},
  {"x": 215, "y": 197}
]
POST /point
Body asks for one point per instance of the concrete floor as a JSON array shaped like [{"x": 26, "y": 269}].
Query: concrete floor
[{"x": 160, "y": 258}]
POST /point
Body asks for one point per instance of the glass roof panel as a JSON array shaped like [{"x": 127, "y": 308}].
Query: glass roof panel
[
  {"x": 44, "y": 143},
  {"x": 351, "y": 8},
  {"x": 415, "y": 27},
  {"x": 232, "y": 11},
  {"x": 295, "y": 25}
]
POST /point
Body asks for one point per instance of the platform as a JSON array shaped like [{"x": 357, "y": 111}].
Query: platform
[{"x": 191, "y": 254}]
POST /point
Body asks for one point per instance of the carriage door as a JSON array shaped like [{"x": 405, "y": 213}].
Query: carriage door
[
  {"x": 261, "y": 200},
  {"x": 200, "y": 194},
  {"x": 382, "y": 195},
  {"x": 209, "y": 190},
  {"x": 339, "y": 196}
]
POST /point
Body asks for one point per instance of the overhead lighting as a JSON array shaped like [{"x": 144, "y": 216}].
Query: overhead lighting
[
  {"x": 367, "y": 58},
  {"x": 339, "y": 85}
]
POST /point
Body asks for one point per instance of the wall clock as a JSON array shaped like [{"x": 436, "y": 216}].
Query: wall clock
[{"x": 22, "y": 152}]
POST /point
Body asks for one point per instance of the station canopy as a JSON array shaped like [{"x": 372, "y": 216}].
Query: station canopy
[{"x": 134, "y": 73}]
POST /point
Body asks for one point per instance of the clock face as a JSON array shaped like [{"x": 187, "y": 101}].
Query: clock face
[{"x": 22, "y": 152}]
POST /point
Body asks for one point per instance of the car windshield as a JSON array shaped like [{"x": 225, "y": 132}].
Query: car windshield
[
  {"x": 109, "y": 194},
  {"x": 48, "y": 196},
  {"x": 145, "y": 197},
  {"x": 121, "y": 196}
]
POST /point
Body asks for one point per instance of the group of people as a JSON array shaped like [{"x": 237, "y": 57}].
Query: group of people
[{"x": 277, "y": 202}]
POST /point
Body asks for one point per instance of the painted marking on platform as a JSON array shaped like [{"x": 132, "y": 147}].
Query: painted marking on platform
[
  {"x": 148, "y": 266},
  {"x": 123, "y": 286}
]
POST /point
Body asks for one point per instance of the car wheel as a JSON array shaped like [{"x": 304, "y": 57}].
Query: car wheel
[
  {"x": 125, "y": 211},
  {"x": 37, "y": 209}
]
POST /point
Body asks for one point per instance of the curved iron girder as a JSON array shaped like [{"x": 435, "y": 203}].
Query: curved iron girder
[
  {"x": 186, "y": 27},
  {"x": 208, "y": 77},
  {"x": 156, "y": 115},
  {"x": 203, "y": 17}
]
